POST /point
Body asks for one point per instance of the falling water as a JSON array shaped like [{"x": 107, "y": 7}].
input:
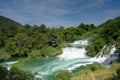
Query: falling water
[{"x": 72, "y": 58}]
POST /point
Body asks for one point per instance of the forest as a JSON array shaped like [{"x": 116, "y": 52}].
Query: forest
[
  {"x": 19, "y": 40},
  {"x": 41, "y": 41}
]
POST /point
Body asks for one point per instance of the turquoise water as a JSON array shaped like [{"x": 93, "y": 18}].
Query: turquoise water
[
  {"x": 10, "y": 61},
  {"x": 72, "y": 59},
  {"x": 47, "y": 67}
]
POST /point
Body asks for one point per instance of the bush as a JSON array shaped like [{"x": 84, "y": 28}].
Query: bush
[
  {"x": 44, "y": 52},
  {"x": 4, "y": 55},
  {"x": 96, "y": 46},
  {"x": 16, "y": 74},
  {"x": 63, "y": 75},
  {"x": 93, "y": 67},
  {"x": 118, "y": 73},
  {"x": 3, "y": 73}
]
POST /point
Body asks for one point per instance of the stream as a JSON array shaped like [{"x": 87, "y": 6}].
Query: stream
[{"x": 73, "y": 59}]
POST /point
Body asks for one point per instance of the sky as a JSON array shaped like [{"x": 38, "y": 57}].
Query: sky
[{"x": 56, "y": 13}]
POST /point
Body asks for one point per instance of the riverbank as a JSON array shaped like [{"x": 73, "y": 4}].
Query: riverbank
[
  {"x": 72, "y": 59},
  {"x": 99, "y": 74}
]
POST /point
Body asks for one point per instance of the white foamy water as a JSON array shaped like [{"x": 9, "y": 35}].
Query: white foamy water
[
  {"x": 73, "y": 53},
  {"x": 100, "y": 58},
  {"x": 72, "y": 58},
  {"x": 80, "y": 53},
  {"x": 8, "y": 64},
  {"x": 79, "y": 43},
  {"x": 77, "y": 66}
]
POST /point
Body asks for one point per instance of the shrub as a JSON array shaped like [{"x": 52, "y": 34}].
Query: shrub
[
  {"x": 16, "y": 74},
  {"x": 93, "y": 67},
  {"x": 49, "y": 51},
  {"x": 63, "y": 75}
]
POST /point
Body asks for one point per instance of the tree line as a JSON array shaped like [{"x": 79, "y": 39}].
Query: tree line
[{"x": 19, "y": 40}]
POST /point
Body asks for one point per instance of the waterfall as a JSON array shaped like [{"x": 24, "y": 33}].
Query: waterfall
[
  {"x": 107, "y": 58},
  {"x": 76, "y": 51},
  {"x": 71, "y": 59},
  {"x": 8, "y": 64},
  {"x": 79, "y": 43},
  {"x": 113, "y": 56},
  {"x": 73, "y": 52}
]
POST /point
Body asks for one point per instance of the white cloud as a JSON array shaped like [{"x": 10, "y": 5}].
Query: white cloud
[
  {"x": 96, "y": 3},
  {"x": 50, "y": 12}
]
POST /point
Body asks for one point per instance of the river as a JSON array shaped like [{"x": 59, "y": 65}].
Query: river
[{"x": 73, "y": 59}]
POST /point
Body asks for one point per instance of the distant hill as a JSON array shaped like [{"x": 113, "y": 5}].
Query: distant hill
[
  {"x": 111, "y": 29},
  {"x": 22, "y": 40},
  {"x": 6, "y": 22},
  {"x": 112, "y": 22},
  {"x": 9, "y": 27}
]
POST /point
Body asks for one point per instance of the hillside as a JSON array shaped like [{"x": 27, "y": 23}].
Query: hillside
[
  {"x": 8, "y": 29},
  {"x": 18, "y": 40},
  {"x": 37, "y": 42},
  {"x": 107, "y": 33},
  {"x": 100, "y": 74},
  {"x": 6, "y": 22}
]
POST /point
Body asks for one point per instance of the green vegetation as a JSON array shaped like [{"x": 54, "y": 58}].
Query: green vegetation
[
  {"x": 99, "y": 73},
  {"x": 4, "y": 55},
  {"x": 93, "y": 67},
  {"x": 14, "y": 74},
  {"x": 92, "y": 72},
  {"x": 63, "y": 75},
  {"x": 105, "y": 34},
  {"x": 40, "y": 41},
  {"x": 19, "y": 40},
  {"x": 44, "y": 52},
  {"x": 3, "y": 73}
]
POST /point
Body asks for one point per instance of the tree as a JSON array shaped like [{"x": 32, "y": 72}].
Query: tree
[
  {"x": 42, "y": 28},
  {"x": 4, "y": 74},
  {"x": 63, "y": 75},
  {"x": 53, "y": 39},
  {"x": 2, "y": 39},
  {"x": 27, "y": 26},
  {"x": 16, "y": 74}
]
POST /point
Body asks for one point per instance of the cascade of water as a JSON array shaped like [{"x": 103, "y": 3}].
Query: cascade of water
[
  {"x": 113, "y": 56},
  {"x": 100, "y": 58},
  {"x": 80, "y": 53},
  {"x": 73, "y": 53},
  {"x": 72, "y": 58},
  {"x": 8, "y": 64},
  {"x": 113, "y": 49},
  {"x": 79, "y": 42},
  {"x": 100, "y": 54}
]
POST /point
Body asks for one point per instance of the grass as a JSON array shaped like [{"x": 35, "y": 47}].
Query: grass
[
  {"x": 4, "y": 55},
  {"x": 101, "y": 74}
]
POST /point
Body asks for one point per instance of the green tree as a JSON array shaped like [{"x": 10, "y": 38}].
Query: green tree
[
  {"x": 16, "y": 74},
  {"x": 63, "y": 75},
  {"x": 4, "y": 74}
]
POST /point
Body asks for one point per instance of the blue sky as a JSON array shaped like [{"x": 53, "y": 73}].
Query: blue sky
[{"x": 55, "y": 13}]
